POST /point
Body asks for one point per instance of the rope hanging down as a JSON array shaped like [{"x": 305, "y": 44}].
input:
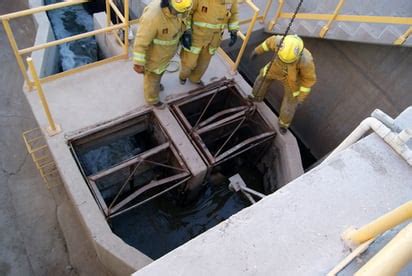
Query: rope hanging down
[{"x": 280, "y": 43}]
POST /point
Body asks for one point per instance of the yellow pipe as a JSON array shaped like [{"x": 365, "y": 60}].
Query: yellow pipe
[
  {"x": 126, "y": 29},
  {"x": 248, "y": 34},
  {"x": 71, "y": 38},
  {"x": 392, "y": 258},
  {"x": 277, "y": 15},
  {"x": 117, "y": 11},
  {"x": 108, "y": 15},
  {"x": 265, "y": 13},
  {"x": 15, "y": 49},
  {"x": 351, "y": 18},
  {"x": 325, "y": 28},
  {"x": 380, "y": 225},
  {"x": 41, "y": 9},
  {"x": 53, "y": 128},
  {"x": 403, "y": 37}
]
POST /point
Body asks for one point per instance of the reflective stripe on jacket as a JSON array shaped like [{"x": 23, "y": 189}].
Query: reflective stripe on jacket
[
  {"x": 157, "y": 38},
  {"x": 208, "y": 19}
]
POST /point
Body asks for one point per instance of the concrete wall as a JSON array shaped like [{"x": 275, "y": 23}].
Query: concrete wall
[
  {"x": 46, "y": 60},
  {"x": 353, "y": 80}
]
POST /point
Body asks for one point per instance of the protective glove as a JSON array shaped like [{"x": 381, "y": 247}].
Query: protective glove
[
  {"x": 233, "y": 38},
  {"x": 253, "y": 55},
  {"x": 187, "y": 39},
  {"x": 138, "y": 68}
]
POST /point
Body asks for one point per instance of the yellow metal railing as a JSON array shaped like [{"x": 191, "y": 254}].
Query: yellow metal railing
[
  {"x": 20, "y": 53},
  {"x": 335, "y": 16},
  {"x": 244, "y": 37}
]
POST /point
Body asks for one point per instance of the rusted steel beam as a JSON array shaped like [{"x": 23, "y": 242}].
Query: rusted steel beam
[
  {"x": 164, "y": 165},
  {"x": 230, "y": 136},
  {"x": 222, "y": 113},
  {"x": 98, "y": 196},
  {"x": 231, "y": 119},
  {"x": 263, "y": 137},
  {"x": 150, "y": 198},
  {"x": 149, "y": 186},
  {"x": 125, "y": 183},
  {"x": 130, "y": 162}
]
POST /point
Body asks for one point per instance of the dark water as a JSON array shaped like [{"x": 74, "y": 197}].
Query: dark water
[{"x": 161, "y": 225}]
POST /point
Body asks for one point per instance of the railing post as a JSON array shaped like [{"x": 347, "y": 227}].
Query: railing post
[
  {"x": 265, "y": 13},
  {"x": 126, "y": 29},
  {"x": 272, "y": 23},
  {"x": 325, "y": 28},
  {"x": 248, "y": 34},
  {"x": 108, "y": 15},
  {"x": 53, "y": 128},
  {"x": 15, "y": 49},
  {"x": 403, "y": 37}
]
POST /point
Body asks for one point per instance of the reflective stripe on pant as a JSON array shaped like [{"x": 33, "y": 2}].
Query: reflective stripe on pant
[
  {"x": 289, "y": 103},
  {"x": 194, "y": 65},
  {"x": 151, "y": 87}
]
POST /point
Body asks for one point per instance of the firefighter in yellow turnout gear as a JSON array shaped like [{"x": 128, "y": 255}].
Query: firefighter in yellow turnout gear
[
  {"x": 294, "y": 67},
  {"x": 208, "y": 20},
  {"x": 160, "y": 29}
]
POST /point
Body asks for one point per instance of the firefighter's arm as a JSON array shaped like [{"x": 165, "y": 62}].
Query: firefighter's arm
[
  {"x": 233, "y": 23},
  {"x": 307, "y": 75},
  {"x": 270, "y": 44},
  {"x": 144, "y": 37}
]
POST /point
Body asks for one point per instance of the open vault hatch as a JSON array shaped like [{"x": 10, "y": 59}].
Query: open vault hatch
[
  {"x": 129, "y": 163},
  {"x": 222, "y": 124}
]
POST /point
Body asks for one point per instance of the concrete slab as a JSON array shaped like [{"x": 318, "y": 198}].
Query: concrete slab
[{"x": 296, "y": 230}]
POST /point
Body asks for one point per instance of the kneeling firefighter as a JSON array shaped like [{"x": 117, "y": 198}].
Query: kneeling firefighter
[
  {"x": 160, "y": 29},
  {"x": 208, "y": 19},
  {"x": 293, "y": 66}
]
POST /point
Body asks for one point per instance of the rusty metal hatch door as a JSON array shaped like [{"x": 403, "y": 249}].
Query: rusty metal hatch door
[
  {"x": 136, "y": 175},
  {"x": 220, "y": 123}
]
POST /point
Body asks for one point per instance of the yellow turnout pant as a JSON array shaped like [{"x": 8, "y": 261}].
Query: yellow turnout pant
[
  {"x": 289, "y": 102},
  {"x": 151, "y": 87},
  {"x": 194, "y": 65}
]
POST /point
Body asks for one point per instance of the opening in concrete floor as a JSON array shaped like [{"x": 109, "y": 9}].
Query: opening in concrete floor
[{"x": 139, "y": 180}]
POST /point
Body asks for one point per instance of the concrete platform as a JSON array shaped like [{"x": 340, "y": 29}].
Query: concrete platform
[
  {"x": 296, "y": 230},
  {"x": 111, "y": 93}
]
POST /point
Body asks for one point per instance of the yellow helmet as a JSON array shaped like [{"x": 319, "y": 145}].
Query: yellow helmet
[
  {"x": 181, "y": 6},
  {"x": 291, "y": 49}
]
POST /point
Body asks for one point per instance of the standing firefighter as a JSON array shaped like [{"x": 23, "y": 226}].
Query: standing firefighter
[
  {"x": 293, "y": 66},
  {"x": 156, "y": 42},
  {"x": 208, "y": 20}
]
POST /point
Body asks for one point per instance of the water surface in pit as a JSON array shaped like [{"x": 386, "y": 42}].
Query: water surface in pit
[{"x": 163, "y": 224}]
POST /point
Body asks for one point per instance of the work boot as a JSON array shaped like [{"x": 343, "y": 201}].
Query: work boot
[
  {"x": 200, "y": 83},
  {"x": 251, "y": 98},
  {"x": 283, "y": 129},
  {"x": 159, "y": 105},
  {"x": 182, "y": 82},
  {"x": 162, "y": 88}
]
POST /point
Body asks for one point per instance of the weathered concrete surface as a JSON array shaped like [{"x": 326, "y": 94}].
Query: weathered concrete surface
[
  {"x": 114, "y": 92},
  {"x": 31, "y": 241},
  {"x": 296, "y": 230},
  {"x": 353, "y": 80}
]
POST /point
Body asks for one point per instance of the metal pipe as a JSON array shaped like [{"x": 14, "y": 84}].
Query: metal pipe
[
  {"x": 267, "y": 8},
  {"x": 253, "y": 192},
  {"x": 400, "y": 40},
  {"x": 53, "y": 128},
  {"x": 15, "y": 49},
  {"x": 401, "y": 214},
  {"x": 386, "y": 119},
  {"x": 392, "y": 258},
  {"x": 277, "y": 15},
  {"x": 108, "y": 14},
  {"x": 248, "y": 34},
  {"x": 396, "y": 141},
  {"x": 126, "y": 29},
  {"x": 41, "y": 9},
  {"x": 70, "y": 38},
  {"x": 325, "y": 28}
]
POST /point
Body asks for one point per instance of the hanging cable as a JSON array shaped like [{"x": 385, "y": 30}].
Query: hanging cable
[{"x": 281, "y": 42}]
